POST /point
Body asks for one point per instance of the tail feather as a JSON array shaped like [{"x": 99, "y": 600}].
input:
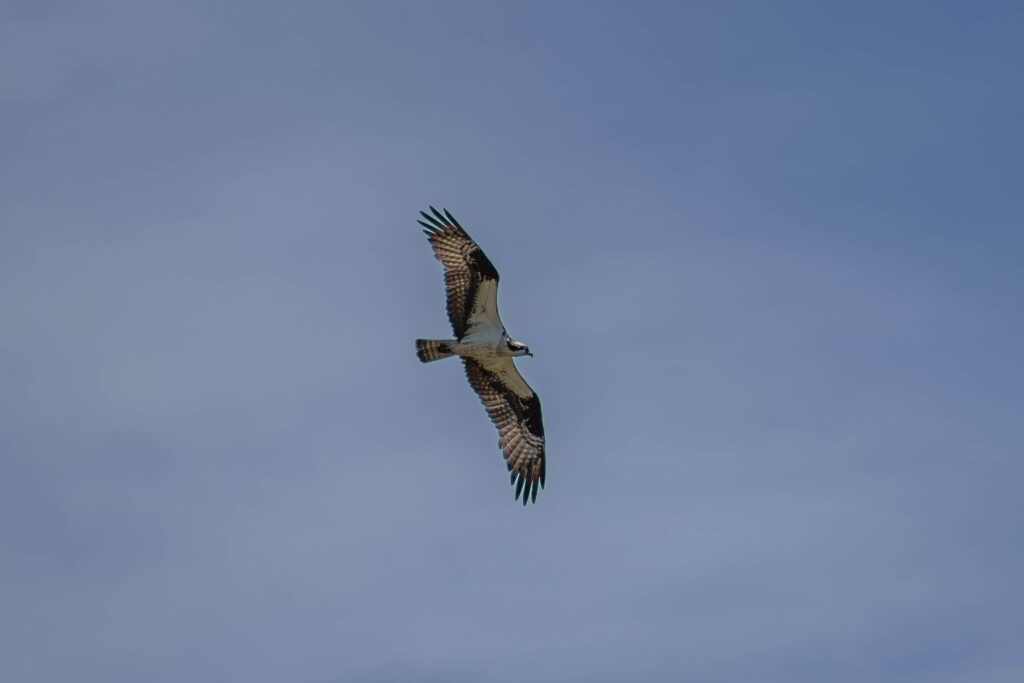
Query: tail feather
[{"x": 432, "y": 349}]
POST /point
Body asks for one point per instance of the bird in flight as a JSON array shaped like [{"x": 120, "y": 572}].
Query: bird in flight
[{"x": 486, "y": 350}]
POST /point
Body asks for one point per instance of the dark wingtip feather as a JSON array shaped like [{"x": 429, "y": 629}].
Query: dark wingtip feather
[
  {"x": 436, "y": 220},
  {"x": 452, "y": 219},
  {"x": 524, "y": 487},
  {"x": 437, "y": 213}
]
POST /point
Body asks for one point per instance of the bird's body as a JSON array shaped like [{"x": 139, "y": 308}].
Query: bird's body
[
  {"x": 483, "y": 344},
  {"x": 486, "y": 350}
]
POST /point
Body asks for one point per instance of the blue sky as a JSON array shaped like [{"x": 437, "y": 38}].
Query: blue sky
[{"x": 768, "y": 256}]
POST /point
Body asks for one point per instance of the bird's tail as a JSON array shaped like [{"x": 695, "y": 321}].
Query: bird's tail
[{"x": 432, "y": 349}]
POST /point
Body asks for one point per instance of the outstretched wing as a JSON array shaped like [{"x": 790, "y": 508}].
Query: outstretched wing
[
  {"x": 469, "y": 277},
  {"x": 515, "y": 410}
]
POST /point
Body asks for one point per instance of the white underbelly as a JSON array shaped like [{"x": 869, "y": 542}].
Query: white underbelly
[
  {"x": 484, "y": 335},
  {"x": 483, "y": 340},
  {"x": 481, "y": 349}
]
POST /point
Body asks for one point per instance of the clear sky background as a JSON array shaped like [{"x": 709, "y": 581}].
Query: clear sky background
[{"x": 769, "y": 255}]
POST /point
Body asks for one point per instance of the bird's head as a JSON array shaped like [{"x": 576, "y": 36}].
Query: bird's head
[{"x": 518, "y": 349}]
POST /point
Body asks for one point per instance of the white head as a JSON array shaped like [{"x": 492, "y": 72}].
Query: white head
[{"x": 518, "y": 349}]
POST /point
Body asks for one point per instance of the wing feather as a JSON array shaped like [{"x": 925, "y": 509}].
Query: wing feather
[
  {"x": 515, "y": 410},
  {"x": 471, "y": 281}
]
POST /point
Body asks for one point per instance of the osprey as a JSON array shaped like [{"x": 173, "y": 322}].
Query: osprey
[{"x": 486, "y": 350}]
